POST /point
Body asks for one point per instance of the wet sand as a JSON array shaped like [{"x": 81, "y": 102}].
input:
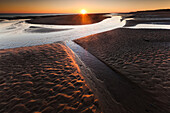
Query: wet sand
[
  {"x": 135, "y": 22},
  {"x": 142, "y": 56},
  {"x": 43, "y": 79},
  {"x": 69, "y": 19},
  {"x": 33, "y": 29},
  {"x": 147, "y": 17}
]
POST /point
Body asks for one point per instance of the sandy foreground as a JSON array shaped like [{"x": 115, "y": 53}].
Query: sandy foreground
[
  {"x": 43, "y": 79},
  {"x": 142, "y": 56}
]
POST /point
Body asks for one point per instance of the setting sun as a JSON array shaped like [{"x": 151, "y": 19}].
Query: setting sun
[{"x": 83, "y": 11}]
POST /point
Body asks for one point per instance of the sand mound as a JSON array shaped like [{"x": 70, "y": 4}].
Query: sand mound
[
  {"x": 146, "y": 63},
  {"x": 43, "y": 79}
]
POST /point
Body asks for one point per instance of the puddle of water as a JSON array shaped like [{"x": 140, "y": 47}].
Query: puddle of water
[
  {"x": 150, "y": 26},
  {"x": 149, "y": 19}
]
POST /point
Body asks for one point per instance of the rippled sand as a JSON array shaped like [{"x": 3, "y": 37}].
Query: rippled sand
[
  {"x": 43, "y": 79},
  {"x": 143, "y": 56}
]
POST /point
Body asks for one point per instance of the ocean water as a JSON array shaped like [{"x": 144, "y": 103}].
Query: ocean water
[{"x": 29, "y": 14}]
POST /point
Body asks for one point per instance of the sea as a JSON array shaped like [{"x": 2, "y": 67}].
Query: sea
[{"x": 31, "y": 14}]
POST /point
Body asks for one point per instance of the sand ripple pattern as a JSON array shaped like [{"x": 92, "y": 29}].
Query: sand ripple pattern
[
  {"x": 143, "y": 56},
  {"x": 43, "y": 79}
]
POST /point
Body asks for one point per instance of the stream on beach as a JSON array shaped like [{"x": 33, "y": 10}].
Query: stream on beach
[{"x": 18, "y": 33}]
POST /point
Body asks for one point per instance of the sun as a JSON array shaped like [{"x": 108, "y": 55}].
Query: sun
[{"x": 83, "y": 11}]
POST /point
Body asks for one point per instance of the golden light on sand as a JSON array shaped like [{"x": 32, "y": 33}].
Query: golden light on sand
[{"x": 83, "y": 11}]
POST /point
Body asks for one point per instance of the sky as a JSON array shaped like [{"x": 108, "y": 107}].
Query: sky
[{"x": 74, "y": 6}]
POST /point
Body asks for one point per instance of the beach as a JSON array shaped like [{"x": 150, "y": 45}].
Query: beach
[
  {"x": 141, "y": 55},
  {"x": 43, "y": 79},
  {"x": 89, "y": 63}
]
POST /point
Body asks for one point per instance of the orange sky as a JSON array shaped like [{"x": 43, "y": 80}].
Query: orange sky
[{"x": 74, "y": 6}]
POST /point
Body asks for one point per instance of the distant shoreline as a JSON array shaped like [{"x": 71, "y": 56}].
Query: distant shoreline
[
  {"x": 147, "y": 17},
  {"x": 65, "y": 19},
  {"x": 69, "y": 19}
]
